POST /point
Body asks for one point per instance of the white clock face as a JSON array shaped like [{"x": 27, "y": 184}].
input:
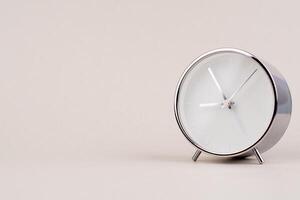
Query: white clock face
[{"x": 226, "y": 102}]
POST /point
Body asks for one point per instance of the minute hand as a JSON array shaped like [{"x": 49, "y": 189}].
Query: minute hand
[
  {"x": 242, "y": 85},
  {"x": 217, "y": 83}
]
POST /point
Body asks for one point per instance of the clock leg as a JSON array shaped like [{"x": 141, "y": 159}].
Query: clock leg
[
  {"x": 196, "y": 155},
  {"x": 258, "y": 156}
]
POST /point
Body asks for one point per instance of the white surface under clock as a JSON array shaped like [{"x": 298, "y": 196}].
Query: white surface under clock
[{"x": 222, "y": 130}]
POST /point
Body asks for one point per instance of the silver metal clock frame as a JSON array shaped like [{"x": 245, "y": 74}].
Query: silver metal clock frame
[{"x": 281, "y": 114}]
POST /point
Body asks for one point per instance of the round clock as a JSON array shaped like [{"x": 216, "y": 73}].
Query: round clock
[{"x": 230, "y": 103}]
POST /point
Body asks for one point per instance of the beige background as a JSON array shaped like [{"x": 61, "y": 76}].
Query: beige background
[{"x": 86, "y": 96}]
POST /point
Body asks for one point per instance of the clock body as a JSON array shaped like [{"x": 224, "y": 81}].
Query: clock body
[{"x": 229, "y": 102}]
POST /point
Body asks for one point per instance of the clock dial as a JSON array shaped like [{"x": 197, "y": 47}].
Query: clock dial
[{"x": 226, "y": 102}]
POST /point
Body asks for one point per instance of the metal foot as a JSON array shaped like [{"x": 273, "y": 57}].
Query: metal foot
[
  {"x": 258, "y": 156},
  {"x": 196, "y": 155}
]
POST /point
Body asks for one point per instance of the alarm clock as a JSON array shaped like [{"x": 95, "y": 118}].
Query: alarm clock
[{"x": 230, "y": 103}]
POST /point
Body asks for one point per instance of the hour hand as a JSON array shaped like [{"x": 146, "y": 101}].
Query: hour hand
[{"x": 203, "y": 105}]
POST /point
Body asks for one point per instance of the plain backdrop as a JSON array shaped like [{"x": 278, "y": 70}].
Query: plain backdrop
[{"x": 86, "y": 98}]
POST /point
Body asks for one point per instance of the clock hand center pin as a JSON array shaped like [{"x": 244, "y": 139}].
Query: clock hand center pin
[{"x": 227, "y": 104}]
